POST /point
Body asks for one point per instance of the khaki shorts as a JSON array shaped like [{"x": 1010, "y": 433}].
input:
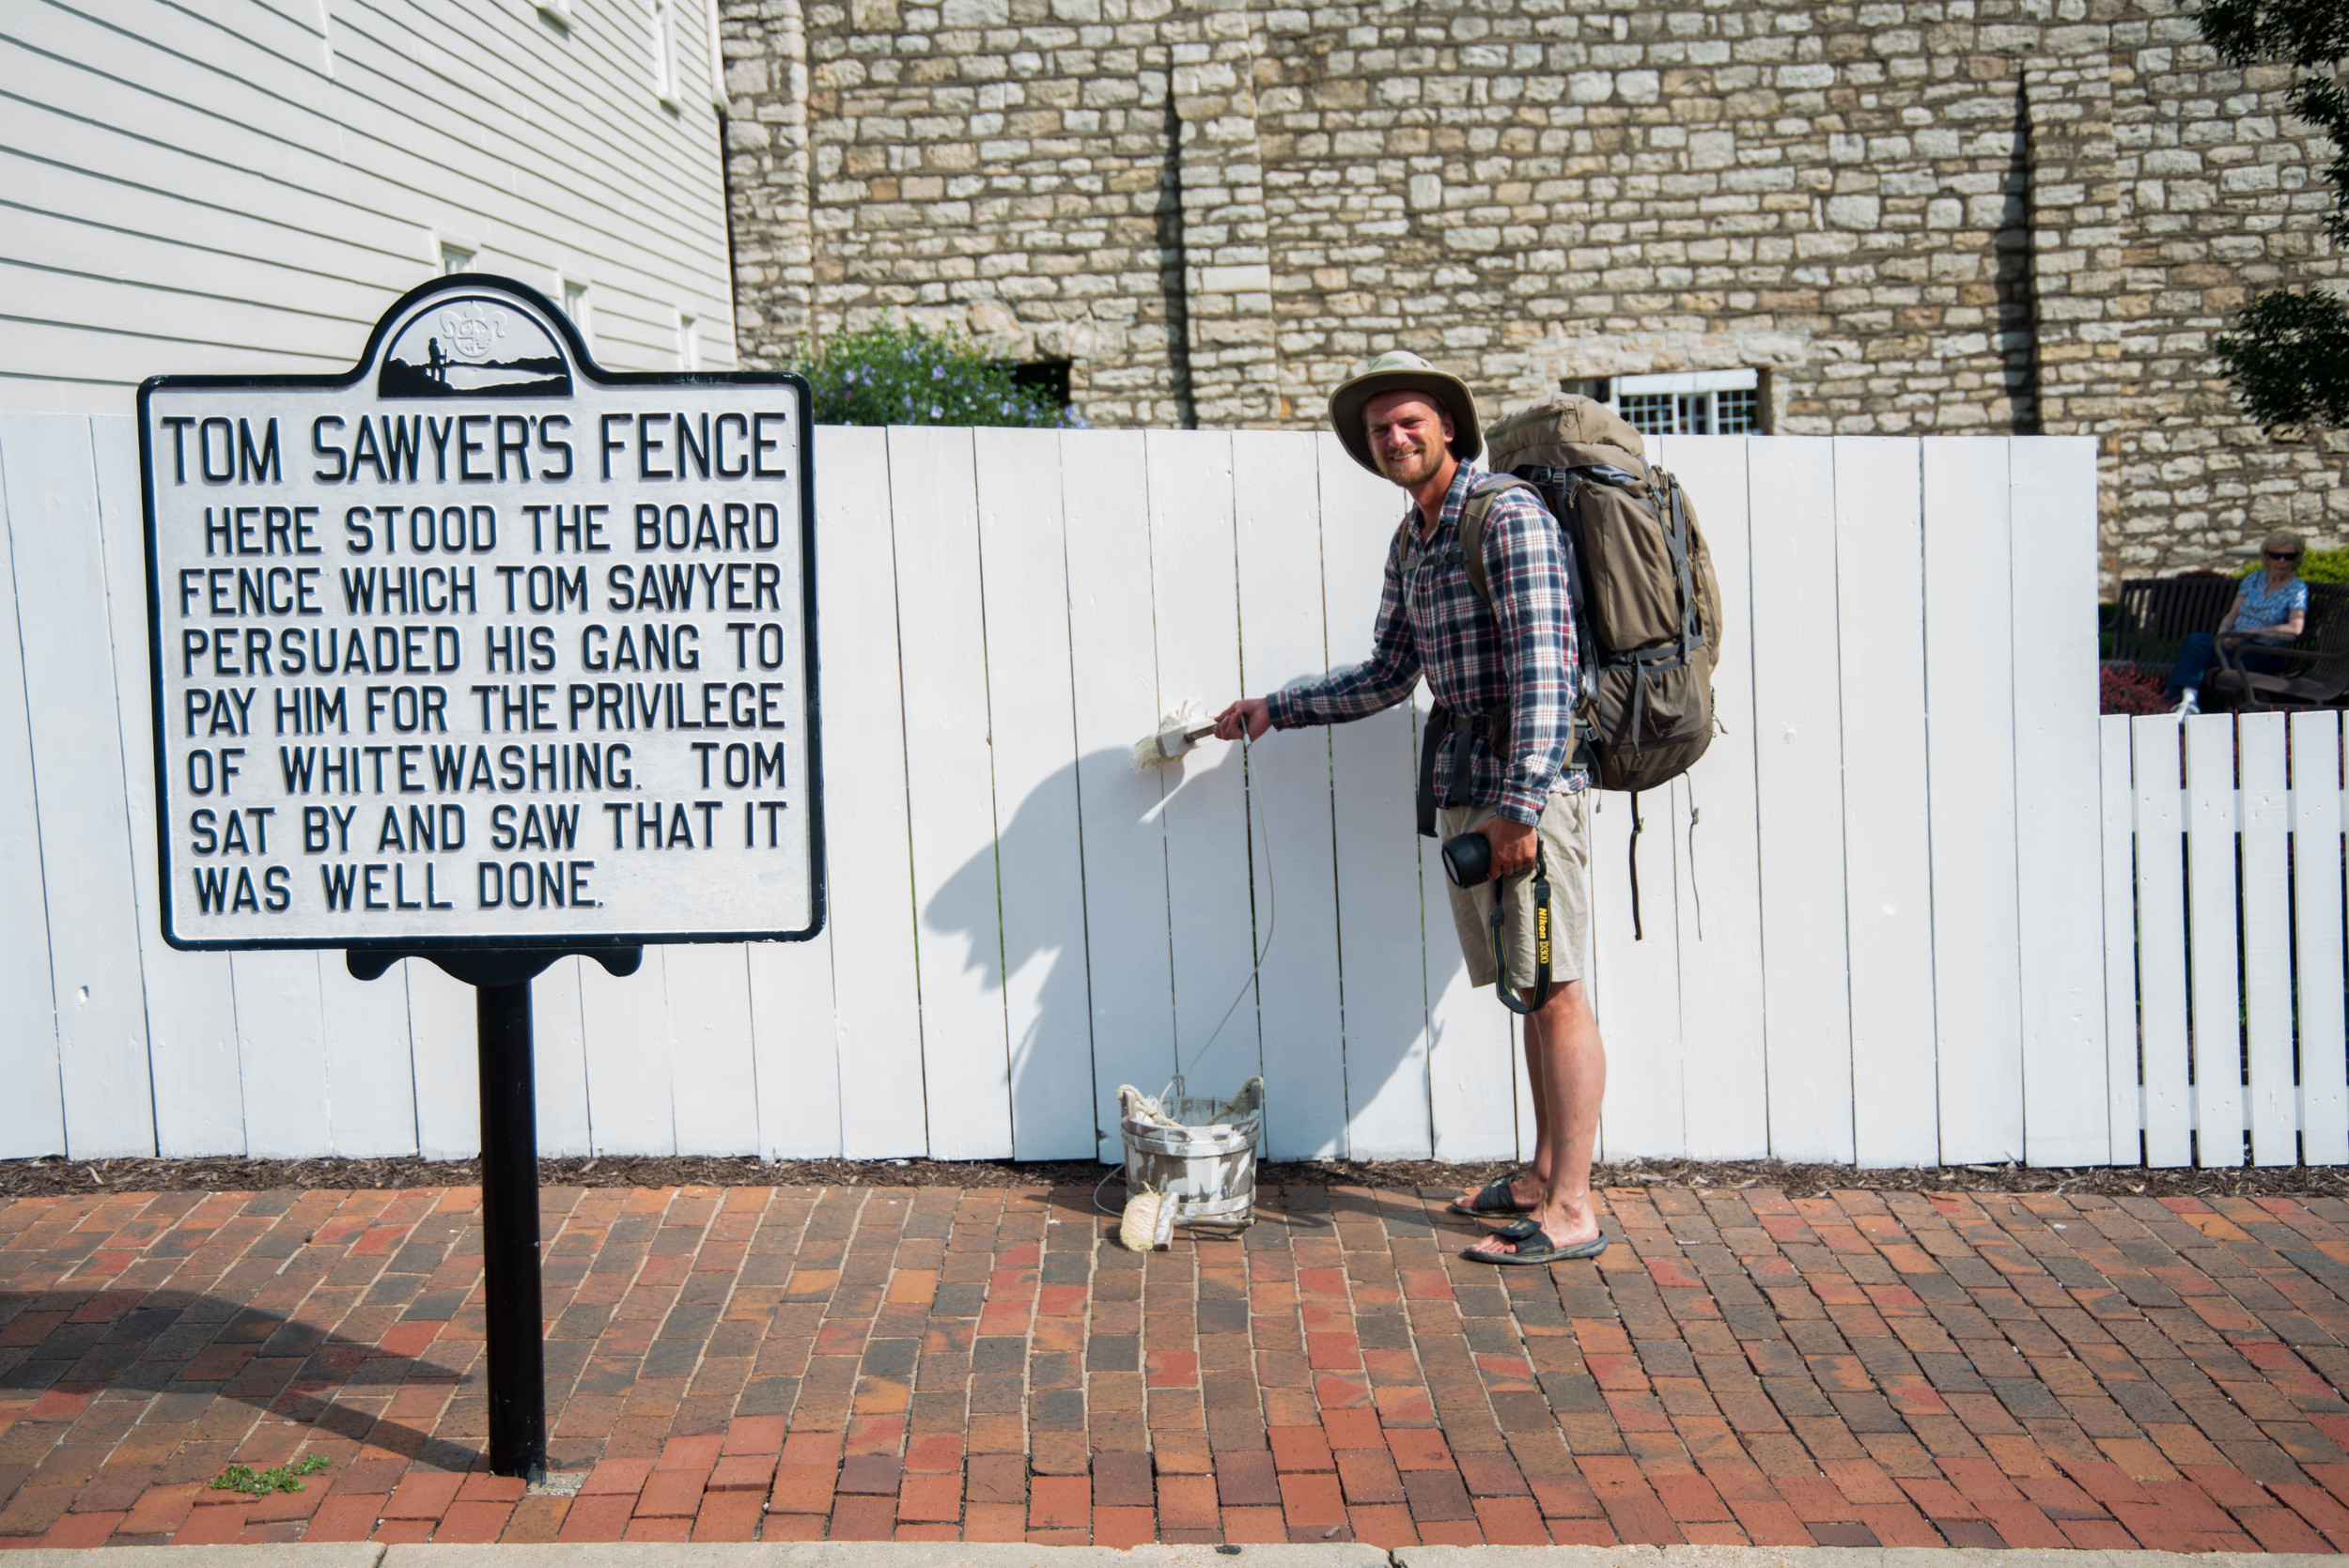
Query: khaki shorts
[{"x": 1566, "y": 836}]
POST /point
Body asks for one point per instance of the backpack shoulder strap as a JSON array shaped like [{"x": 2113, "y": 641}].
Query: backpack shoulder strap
[{"x": 1474, "y": 512}]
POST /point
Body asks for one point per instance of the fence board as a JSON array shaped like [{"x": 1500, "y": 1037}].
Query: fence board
[
  {"x": 876, "y": 1012},
  {"x": 2215, "y": 1004},
  {"x": 1969, "y": 715},
  {"x": 629, "y": 1109},
  {"x": 966, "y": 1065},
  {"x": 2124, "y": 1100},
  {"x": 191, "y": 1006},
  {"x": 2316, "y": 892},
  {"x": 371, "y": 1081},
  {"x": 712, "y": 1076},
  {"x": 281, "y": 1047},
  {"x": 2054, "y": 642},
  {"x": 444, "y": 1051},
  {"x": 1277, "y": 538},
  {"x": 1719, "y": 893},
  {"x": 1193, "y": 587},
  {"x": 2272, "y": 1101},
  {"x": 2161, "y": 941},
  {"x": 1113, "y": 657},
  {"x": 1637, "y": 980},
  {"x": 794, "y": 1050},
  {"x": 1379, "y": 959},
  {"x": 101, "y": 1025},
  {"x": 1023, "y": 557},
  {"x": 1798, "y": 786},
  {"x": 32, "y": 1112},
  {"x": 1887, "y": 867},
  {"x": 558, "y": 1035}
]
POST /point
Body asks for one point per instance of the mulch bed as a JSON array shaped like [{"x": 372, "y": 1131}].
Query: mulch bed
[{"x": 50, "y": 1177}]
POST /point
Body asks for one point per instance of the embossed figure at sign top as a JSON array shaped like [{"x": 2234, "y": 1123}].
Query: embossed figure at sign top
[{"x": 475, "y": 347}]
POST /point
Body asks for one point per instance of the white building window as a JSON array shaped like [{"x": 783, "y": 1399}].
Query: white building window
[
  {"x": 1692, "y": 403},
  {"x": 664, "y": 52},
  {"x": 455, "y": 257},
  {"x": 689, "y": 342},
  {"x": 576, "y": 306}
]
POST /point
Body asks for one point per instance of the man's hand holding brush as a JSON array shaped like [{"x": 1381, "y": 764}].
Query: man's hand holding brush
[{"x": 1251, "y": 714}]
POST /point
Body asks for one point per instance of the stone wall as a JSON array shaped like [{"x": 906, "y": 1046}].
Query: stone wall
[{"x": 1916, "y": 216}]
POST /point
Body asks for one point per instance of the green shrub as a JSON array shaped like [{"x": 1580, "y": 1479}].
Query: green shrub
[
  {"x": 908, "y": 376},
  {"x": 2318, "y": 566}
]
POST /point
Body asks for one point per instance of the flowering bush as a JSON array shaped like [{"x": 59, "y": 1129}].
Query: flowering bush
[
  {"x": 908, "y": 376},
  {"x": 2125, "y": 692}
]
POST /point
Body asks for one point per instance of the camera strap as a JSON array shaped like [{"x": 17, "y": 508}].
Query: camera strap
[{"x": 1541, "y": 938}]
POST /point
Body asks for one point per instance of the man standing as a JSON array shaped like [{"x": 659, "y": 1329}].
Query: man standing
[{"x": 1416, "y": 425}]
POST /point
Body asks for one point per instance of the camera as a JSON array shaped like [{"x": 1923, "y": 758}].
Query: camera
[{"x": 1467, "y": 859}]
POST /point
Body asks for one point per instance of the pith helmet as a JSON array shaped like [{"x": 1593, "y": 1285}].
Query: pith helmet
[{"x": 1399, "y": 370}]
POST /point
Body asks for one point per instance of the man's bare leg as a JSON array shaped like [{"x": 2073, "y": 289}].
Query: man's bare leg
[
  {"x": 1567, "y": 1064},
  {"x": 1529, "y": 1183}
]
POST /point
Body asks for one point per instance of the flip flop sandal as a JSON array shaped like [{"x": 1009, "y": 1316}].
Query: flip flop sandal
[
  {"x": 1536, "y": 1248},
  {"x": 1498, "y": 1197}
]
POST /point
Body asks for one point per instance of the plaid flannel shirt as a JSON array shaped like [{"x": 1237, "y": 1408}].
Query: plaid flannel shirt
[{"x": 1431, "y": 622}]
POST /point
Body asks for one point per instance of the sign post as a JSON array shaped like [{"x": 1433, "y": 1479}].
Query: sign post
[{"x": 483, "y": 655}]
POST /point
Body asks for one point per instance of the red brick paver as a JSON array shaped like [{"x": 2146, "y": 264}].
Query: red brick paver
[{"x": 918, "y": 1364}]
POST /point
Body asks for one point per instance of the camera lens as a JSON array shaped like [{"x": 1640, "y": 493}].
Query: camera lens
[{"x": 1467, "y": 859}]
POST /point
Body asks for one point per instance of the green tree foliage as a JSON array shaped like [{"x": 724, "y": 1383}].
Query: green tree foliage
[
  {"x": 2289, "y": 354},
  {"x": 906, "y": 376}
]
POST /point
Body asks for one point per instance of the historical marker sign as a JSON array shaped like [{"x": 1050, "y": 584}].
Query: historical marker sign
[{"x": 480, "y": 646}]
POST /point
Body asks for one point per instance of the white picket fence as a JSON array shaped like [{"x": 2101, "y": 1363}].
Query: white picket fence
[{"x": 1875, "y": 914}]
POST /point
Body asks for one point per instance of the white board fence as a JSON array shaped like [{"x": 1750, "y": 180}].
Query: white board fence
[{"x": 1875, "y": 915}]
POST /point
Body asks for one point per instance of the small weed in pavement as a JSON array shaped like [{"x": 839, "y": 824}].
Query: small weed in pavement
[{"x": 277, "y": 1478}]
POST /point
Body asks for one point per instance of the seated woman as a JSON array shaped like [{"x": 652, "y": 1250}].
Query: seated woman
[{"x": 2272, "y": 606}]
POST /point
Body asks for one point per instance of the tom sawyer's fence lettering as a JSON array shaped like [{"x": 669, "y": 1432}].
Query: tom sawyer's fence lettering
[{"x": 478, "y": 644}]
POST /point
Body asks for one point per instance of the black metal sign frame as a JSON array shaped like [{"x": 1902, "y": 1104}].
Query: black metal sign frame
[{"x": 582, "y": 365}]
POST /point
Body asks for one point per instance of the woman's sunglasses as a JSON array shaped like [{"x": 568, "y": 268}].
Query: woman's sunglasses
[{"x": 2282, "y": 555}]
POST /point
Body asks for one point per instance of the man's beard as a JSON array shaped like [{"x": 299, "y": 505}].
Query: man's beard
[{"x": 1413, "y": 469}]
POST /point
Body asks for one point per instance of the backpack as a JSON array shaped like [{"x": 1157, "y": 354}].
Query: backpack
[{"x": 1647, "y": 605}]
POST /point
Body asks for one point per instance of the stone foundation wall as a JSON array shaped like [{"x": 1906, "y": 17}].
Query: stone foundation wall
[{"x": 1916, "y": 216}]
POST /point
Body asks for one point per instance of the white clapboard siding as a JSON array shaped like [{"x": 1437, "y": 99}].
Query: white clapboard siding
[
  {"x": 1114, "y": 660},
  {"x": 2056, "y": 801},
  {"x": 2316, "y": 889},
  {"x": 966, "y": 1065},
  {"x": 1970, "y": 681},
  {"x": 1294, "y": 888},
  {"x": 1719, "y": 896},
  {"x": 1888, "y": 870},
  {"x": 1375, "y": 825},
  {"x": 1798, "y": 753},
  {"x": 1039, "y": 859},
  {"x": 79, "y": 791},
  {"x": 2272, "y": 1102},
  {"x": 876, "y": 1017},
  {"x": 371, "y": 134}
]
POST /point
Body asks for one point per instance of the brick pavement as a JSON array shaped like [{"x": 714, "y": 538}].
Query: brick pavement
[{"x": 793, "y": 1363}]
